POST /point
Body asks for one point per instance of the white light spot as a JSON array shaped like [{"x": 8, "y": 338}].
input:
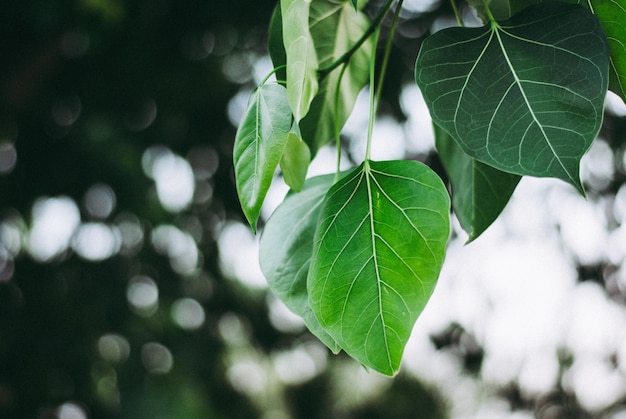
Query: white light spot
[
  {"x": 71, "y": 410},
  {"x": 174, "y": 178},
  {"x": 8, "y": 158},
  {"x": 99, "y": 201},
  {"x": 143, "y": 295},
  {"x": 178, "y": 246},
  {"x": 113, "y": 348},
  {"x": 156, "y": 358},
  {"x": 96, "y": 241},
  {"x": 54, "y": 222},
  {"x": 239, "y": 250},
  {"x": 188, "y": 314}
]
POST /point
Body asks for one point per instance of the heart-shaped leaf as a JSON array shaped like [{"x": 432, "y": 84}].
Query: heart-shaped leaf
[
  {"x": 301, "y": 59},
  {"x": 525, "y": 95},
  {"x": 379, "y": 247},
  {"x": 259, "y": 145},
  {"x": 479, "y": 192},
  {"x": 286, "y": 248}
]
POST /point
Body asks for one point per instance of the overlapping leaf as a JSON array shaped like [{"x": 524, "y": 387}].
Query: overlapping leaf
[
  {"x": 612, "y": 15},
  {"x": 301, "y": 58},
  {"x": 335, "y": 26},
  {"x": 378, "y": 251},
  {"x": 295, "y": 161},
  {"x": 286, "y": 248},
  {"x": 259, "y": 146},
  {"x": 525, "y": 95},
  {"x": 479, "y": 192}
]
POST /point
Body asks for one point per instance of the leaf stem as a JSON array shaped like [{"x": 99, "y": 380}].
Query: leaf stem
[
  {"x": 388, "y": 46},
  {"x": 488, "y": 11},
  {"x": 455, "y": 9},
  {"x": 337, "y": 127},
  {"x": 323, "y": 72},
  {"x": 370, "y": 127},
  {"x": 280, "y": 67}
]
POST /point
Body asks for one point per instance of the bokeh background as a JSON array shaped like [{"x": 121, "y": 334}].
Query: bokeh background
[{"x": 129, "y": 282}]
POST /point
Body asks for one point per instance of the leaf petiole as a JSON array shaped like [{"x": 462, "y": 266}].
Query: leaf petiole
[{"x": 274, "y": 71}]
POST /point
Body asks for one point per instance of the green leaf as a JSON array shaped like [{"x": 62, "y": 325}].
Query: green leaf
[
  {"x": 479, "y": 192},
  {"x": 275, "y": 43},
  {"x": 286, "y": 248},
  {"x": 612, "y": 15},
  {"x": 355, "y": 3},
  {"x": 379, "y": 248},
  {"x": 525, "y": 95},
  {"x": 301, "y": 59},
  {"x": 335, "y": 27},
  {"x": 259, "y": 145},
  {"x": 295, "y": 161}
]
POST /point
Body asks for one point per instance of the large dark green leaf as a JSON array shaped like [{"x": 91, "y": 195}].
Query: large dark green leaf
[
  {"x": 301, "y": 58},
  {"x": 612, "y": 15},
  {"x": 525, "y": 95},
  {"x": 479, "y": 192},
  {"x": 335, "y": 26},
  {"x": 275, "y": 43},
  {"x": 379, "y": 247},
  {"x": 259, "y": 146},
  {"x": 286, "y": 249}
]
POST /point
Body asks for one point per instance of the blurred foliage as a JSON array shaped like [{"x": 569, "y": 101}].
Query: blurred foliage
[{"x": 80, "y": 86}]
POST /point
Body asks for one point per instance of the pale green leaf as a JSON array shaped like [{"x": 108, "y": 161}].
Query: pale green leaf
[
  {"x": 479, "y": 192},
  {"x": 295, "y": 161},
  {"x": 286, "y": 248},
  {"x": 335, "y": 27},
  {"x": 259, "y": 145},
  {"x": 525, "y": 95},
  {"x": 301, "y": 59},
  {"x": 379, "y": 248}
]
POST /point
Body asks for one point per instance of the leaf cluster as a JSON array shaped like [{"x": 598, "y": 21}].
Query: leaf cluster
[{"x": 357, "y": 254}]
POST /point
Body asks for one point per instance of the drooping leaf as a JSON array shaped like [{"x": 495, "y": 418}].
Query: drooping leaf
[
  {"x": 525, "y": 95},
  {"x": 295, "y": 161},
  {"x": 259, "y": 146},
  {"x": 479, "y": 192},
  {"x": 612, "y": 15},
  {"x": 301, "y": 58},
  {"x": 286, "y": 248},
  {"x": 335, "y": 27},
  {"x": 379, "y": 247}
]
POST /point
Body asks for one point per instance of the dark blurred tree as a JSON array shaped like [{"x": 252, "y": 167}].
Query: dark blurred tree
[{"x": 86, "y": 87}]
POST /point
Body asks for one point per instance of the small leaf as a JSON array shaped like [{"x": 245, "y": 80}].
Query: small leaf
[
  {"x": 301, "y": 59},
  {"x": 295, "y": 161},
  {"x": 335, "y": 27},
  {"x": 286, "y": 248},
  {"x": 525, "y": 95},
  {"x": 612, "y": 15},
  {"x": 379, "y": 247},
  {"x": 259, "y": 146},
  {"x": 479, "y": 192}
]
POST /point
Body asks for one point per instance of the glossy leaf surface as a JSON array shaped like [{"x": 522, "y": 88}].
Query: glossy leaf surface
[
  {"x": 286, "y": 248},
  {"x": 259, "y": 145},
  {"x": 301, "y": 58},
  {"x": 335, "y": 26},
  {"x": 479, "y": 192},
  {"x": 525, "y": 95},
  {"x": 378, "y": 251}
]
